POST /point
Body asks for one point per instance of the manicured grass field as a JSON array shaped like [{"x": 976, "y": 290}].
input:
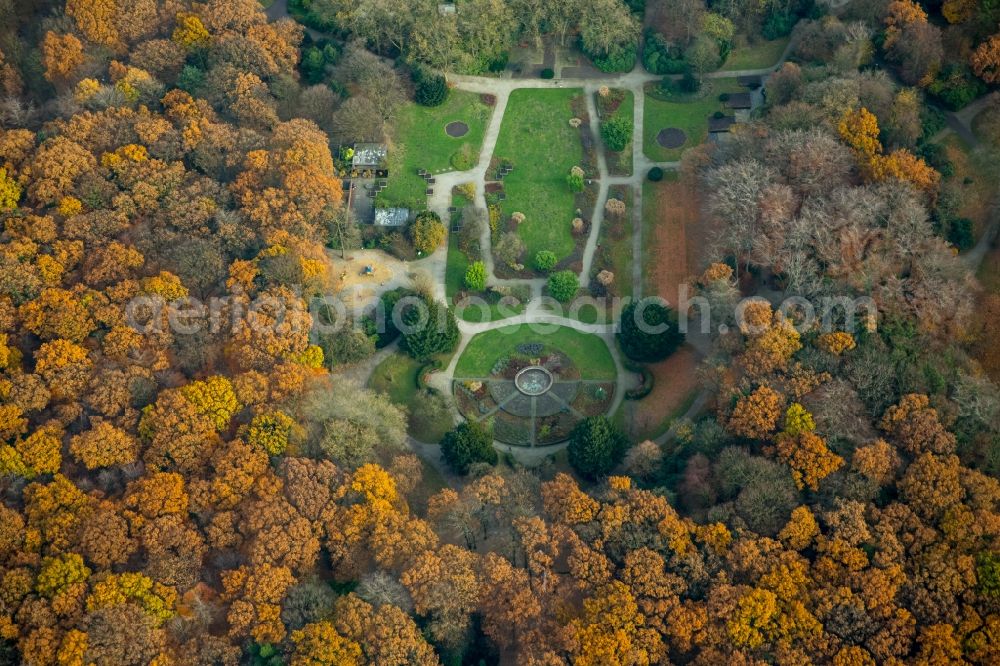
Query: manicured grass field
[
  {"x": 588, "y": 352},
  {"x": 689, "y": 116},
  {"x": 420, "y": 142},
  {"x": 396, "y": 377},
  {"x": 757, "y": 56},
  {"x": 536, "y": 137},
  {"x": 458, "y": 263}
]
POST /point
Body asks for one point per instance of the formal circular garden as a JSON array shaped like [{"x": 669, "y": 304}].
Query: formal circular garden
[
  {"x": 457, "y": 129},
  {"x": 671, "y": 137},
  {"x": 533, "y": 386}
]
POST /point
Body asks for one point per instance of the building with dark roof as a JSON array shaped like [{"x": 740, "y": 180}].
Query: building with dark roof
[
  {"x": 741, "y": 100},
  {"x": 723, "y": 124}
]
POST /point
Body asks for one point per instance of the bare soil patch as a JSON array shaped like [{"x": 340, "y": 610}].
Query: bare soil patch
[
  {"x": 674, "y": 209},
  {"x": 671, "y": 137},
  {"x": 675, "y": 381},
  {"x": 457, "y": 129}
]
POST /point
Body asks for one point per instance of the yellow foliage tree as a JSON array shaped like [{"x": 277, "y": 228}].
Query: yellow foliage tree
[
  {"x": 903, "y": 165},
  {"x": 755, "y": 416},
  {"x": 753, "y": 618},
  {"x": 59, "y": 572},
  {"x": 808, "y": 457},
  {"x": 57, "y": 313},
  {"x": 96, "y": 19},
  {"x": 61, "y": 55},
  {"x": 190, "y": 32},
  {"x": 104, "y": 445},
  {"x": 270, "y": 432},
  {"x": 156, "y": 600},
  {"x": 12, "y": 421},
  {"x": 613, "y": 632},
  {"x": 859, "y": 130},
  {"x": 215, "y": 398},
  {"x": 10, "y": 191},
  {"x": 801, "y": 528},
  {"x": 798, "y": 420},
  {"x": 41, "y": 451},
  {"x": 319, "y": 644},
  {"x": 64, "y": 366},
  {"x": 836, "y": 343}
]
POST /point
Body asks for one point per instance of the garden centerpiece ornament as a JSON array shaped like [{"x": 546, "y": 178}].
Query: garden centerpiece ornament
[{"x": 533, "y": 380}]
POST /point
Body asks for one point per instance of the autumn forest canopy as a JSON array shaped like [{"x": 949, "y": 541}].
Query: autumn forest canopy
[{"x": 230, "y": 495}]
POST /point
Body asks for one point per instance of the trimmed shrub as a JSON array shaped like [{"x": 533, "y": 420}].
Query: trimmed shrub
[
  {"x": 575, "y": 179},
  {"x": 563, "y": 286},
  {"x": 596, "y": 447},
  {"x": 617, "y": 132},
  {"x": 428, "y": 232},
  {"x": 655, "y": 174},
  {"x": 432, "y": 330},
  {"x": 429, "y": 89},
  {"x": 475, "y": 276},
  {"x": 621, "y": 59},
  {"x": 548, "y": 73},
  {"x": 545, "y": 260},
  {"x": 467, "y": 444},
  {"x": 639, "y": 339}
]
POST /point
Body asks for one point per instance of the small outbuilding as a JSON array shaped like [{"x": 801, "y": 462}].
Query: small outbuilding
[
  {"x": 369, "y": 155},
  {"x": 741, "y": 100},
  {"x": 750, "y": 82},
  {"x": 392, "y": 217},
  {"x": 720, "y": 125}
]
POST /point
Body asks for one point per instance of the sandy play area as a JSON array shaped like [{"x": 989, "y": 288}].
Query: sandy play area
[{"x": 357, "y": 286}]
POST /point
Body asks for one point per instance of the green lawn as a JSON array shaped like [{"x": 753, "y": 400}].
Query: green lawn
[
  {"x": 536, "y": 137},
  {"x": 396, "y": 377},
  {"x": 420, "y": 142},
  {"x": 689, "y": 116},
  {"x": 587, "y": 351},
  {"x": 757, "y": 56},
  {"x": 458, "y": 263},
  {"x": 585, "y": 313},
  {"x": 477, "y": 313}
]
